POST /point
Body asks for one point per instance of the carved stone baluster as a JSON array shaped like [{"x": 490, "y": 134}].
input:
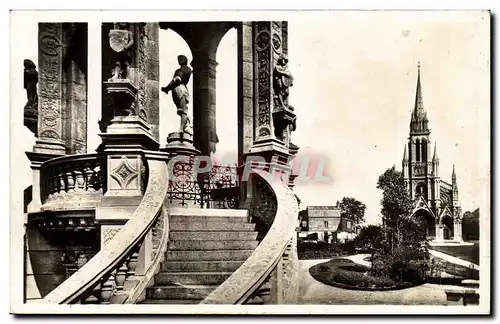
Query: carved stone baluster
[
  {"x": 89, "y": 178},
  {"x": 132, "y": 263},
  {"x": 70, "y": 178},
  {"x": 62, "y": 183},
  {"x": 55, "y": 186},
  {"x": 79, "y": 177},
  {"x": 120, "y": 276},
  {"x": 106, "y": 291}
]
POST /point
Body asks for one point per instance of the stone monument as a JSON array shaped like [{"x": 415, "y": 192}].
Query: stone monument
[
  {"x": 183, "y": 139},
  {"x": 31, "y": 107}
]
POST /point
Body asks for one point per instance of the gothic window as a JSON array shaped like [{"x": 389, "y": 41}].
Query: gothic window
[
  {"x": 424, "y": 150},
  {"x": 417, "y": 149}
]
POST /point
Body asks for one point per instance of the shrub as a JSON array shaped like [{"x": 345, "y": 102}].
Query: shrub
[{"x": 347, "y": 274}]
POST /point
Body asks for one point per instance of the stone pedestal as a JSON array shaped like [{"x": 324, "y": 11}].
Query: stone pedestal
[
  {"x": 124, "y": 144},
  {"x": 184, "y": 182},
  {"x": 180, "y": 144}
]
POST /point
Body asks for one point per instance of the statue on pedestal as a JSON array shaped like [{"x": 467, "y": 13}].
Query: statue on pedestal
[
  {"x": 282, "y": 81},
  {"x": 121, "y": 40},
  {"x": 180, "y": 93},
  {"x": 30, "y": 82}
]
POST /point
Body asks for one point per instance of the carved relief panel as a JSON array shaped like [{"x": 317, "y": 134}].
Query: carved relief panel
[{"x": 50, "y": 53}]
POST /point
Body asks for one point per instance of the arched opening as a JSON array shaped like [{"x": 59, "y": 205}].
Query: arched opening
[
  {"x": 172, "y": 45},
  {"x": 424, "y": 150},
  {"x": 227, "y": 99},
  {"x": 417, "y": 146},
  {"x": 427, "y": 222},
  {"x": 447, "y": 223}
]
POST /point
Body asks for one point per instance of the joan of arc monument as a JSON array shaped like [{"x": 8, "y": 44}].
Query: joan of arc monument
[{"x": 180, "y": 93}]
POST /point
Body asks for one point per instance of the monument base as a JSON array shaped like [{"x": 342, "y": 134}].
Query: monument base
[{"x": 180, "y": 144}]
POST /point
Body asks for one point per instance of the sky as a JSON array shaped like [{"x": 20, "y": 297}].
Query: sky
[{"x": 355, "y": 78}]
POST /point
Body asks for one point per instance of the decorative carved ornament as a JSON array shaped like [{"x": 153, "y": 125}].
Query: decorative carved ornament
[{"x": 124, "y": 173}]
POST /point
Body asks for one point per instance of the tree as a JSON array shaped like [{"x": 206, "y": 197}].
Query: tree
[
  {"x": 405, "y": 255},
  {"x": 397, "y": 206},
  {"x": 369, "y": 237},
  {"x": 352, "y": 209},
  {"x": 470, "y": 225}
]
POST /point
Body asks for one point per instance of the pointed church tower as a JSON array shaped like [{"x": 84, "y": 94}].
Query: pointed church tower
[
  {"x": 419, "y": 122},
  {"x": 454, "y": 187},
  {"x": 419, "y": 164}
]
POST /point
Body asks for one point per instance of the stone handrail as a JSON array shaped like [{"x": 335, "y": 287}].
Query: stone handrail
[
  {"x": 104, "y": 276},
  {"x": 269, "y": 275},
  {"x": 72, "y": 181}
]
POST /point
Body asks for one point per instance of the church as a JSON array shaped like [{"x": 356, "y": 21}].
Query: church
[{"x": 436, "y": 201}]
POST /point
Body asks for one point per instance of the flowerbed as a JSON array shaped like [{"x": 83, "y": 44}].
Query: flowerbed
[{"x": 346, "y": 274}]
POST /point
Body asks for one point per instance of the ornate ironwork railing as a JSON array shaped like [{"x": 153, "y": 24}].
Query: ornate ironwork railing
[
  {"x": 270, "y": 274},
  {"x": 121, "y": 270},
  {"x": 72, "y": 180},
  {"x": 217, "y": 188}
]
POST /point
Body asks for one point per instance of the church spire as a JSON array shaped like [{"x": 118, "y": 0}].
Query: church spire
[
  {"x": 405, "y": 156},
  {"x": 453, "y": 175},
  {"x": 434, "y": 156},
  {"x": 419, "y": 121}
]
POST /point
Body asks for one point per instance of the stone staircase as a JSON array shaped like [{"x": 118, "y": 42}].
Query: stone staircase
[{"x": 205, "y": 247}]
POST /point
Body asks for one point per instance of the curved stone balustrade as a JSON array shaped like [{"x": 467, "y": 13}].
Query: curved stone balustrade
[
  {"x": 124, "y": 266},
  {"x": 72, "y": 182},
  {"x": 269, "y": 275}
]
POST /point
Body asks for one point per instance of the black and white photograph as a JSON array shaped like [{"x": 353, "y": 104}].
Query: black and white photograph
[{"x": 250, "y": 162}]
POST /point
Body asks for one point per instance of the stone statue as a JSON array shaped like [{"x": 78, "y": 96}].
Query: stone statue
[
  {"x": 30, "y": 82},
  {"x": 282, "y": 81},
  {"x": 121, "y": 40},
  {"x": 180, "y": 93}
]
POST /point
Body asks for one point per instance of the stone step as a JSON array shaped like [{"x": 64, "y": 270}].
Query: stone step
[
  {"x": 212, "y": 236},
  {"x": 209, "y": 255},
  {"x": 209, "y": 226},
  {"x": 179, "y": 292},
  {"x": 171, "y": 301},
  {"x": 212, "y": 245},
  {"x": 207, "y": 212},
  {"x": 200, "y": 266},
  {"x": 224, "y": 219},
  {"x": 191, "y": 278}
]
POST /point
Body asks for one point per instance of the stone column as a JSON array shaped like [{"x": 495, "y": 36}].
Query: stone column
[
  {"x": 245, "y": 89},
  {"x": 74, "y": 84},
  {"x": 457, "y": 231},
  {"x": 204, "y": 109},
  {"x": 152, "y": 67},
  {"x": 269, "y": 121},
  {"x": 50, "y": 56},
  {"x": 125, "y": 142}
]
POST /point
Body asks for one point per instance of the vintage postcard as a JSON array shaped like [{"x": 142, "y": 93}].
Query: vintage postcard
[{"x": 246, "y": 162}]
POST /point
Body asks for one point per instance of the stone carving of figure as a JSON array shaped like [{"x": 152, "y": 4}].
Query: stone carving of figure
[
  {"x": 180, "y": 93},
  {"x": 121, "y": 40},
  {"x": 282, "y": 81},
  {"x": 30, "y": 82}
]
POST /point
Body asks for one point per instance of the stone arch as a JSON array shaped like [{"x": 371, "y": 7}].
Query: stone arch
[
  {"x": 427, "y": 220},
  {"x": 446, "y": 221},
  {"x": 203, "y": 39}
]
